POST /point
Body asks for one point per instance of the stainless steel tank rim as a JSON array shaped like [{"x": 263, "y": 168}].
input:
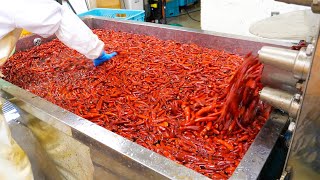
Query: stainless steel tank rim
[{"x": 227, "y": 42}]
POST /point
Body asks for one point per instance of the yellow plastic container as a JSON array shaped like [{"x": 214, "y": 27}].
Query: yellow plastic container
[
  {"x": 25, "y": 33},
  {"x": 109, "y": 4}
]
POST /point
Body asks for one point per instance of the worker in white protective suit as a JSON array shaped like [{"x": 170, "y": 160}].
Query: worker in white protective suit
[{"x": 45, "y": 18}]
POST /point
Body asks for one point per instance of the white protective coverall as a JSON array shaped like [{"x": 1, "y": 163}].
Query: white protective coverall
[{"x": 45, "y": 18}]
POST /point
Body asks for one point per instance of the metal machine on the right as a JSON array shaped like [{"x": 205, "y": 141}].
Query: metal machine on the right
[{"x": 292, "y": 84}]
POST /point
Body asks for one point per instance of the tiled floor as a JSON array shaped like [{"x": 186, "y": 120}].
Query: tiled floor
[{"x": 184, "y": 20}]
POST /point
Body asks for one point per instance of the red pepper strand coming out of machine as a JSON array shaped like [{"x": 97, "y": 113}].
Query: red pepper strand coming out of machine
[{"x": 194, "y": 105}]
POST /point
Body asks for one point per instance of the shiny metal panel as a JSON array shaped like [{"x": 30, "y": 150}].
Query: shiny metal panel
[
  {"x": 279, "y": 79},
  {"x": 304, "y": 153},
  {"x": 49, "y": 150},
  {"x": 294, "y": 61},
  {"x": 256, "y": 156},
  {"x": 281, "y": 100},
  {"x": 278, "y": 57}
]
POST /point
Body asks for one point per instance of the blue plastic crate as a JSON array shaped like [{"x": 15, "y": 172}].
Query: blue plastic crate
[
  {"x": 186, "y": 2},
  {"x": 172, "y": 12},
  {"x": 172, "y": 4},
  {"x": 172, "y": 8},
  {"x": 124, "y": 14}
]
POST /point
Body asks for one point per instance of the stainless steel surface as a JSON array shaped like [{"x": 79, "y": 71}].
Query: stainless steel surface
[
  {"x": 115, "y": 157},
  {"x": 303, "y": 161},
  {"x": 296, "y": 62},
  {"x": 302, "y": 65},
  {"x": 281, "y": 100},
  {"x": 54, "y": 154},
  {"x": 279, "y": 79},
  {"x": 251, "y": 164},
  {"x": 11, "y": 116},
  {"x": 278, "y": 57}
]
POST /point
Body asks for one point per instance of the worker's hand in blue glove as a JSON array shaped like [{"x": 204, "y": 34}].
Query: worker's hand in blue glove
[{"x": 103, "y": 58}]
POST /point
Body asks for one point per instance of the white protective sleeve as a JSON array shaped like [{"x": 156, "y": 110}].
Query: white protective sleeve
[
  {"x": 74, "y": 33},
  {"x": 47, "y": 17}
]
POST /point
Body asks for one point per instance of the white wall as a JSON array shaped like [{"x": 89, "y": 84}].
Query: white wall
[
  {"x": 133, "y": 4},
  {"x": 80, "y": 6},
  {"x": 92, "y": 4},
  {"x": 236, "y": 16}
]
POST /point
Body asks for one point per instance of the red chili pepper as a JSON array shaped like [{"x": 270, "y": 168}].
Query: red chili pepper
[
  {"x": 204, "y": 119},
  {"x": 91, "y": 116},
  {"x": 193, "y": 128},
  {"x": 222, "y": 142},
  {"x": 99, "y": 104},
  {"x": 204, "y": 111}
]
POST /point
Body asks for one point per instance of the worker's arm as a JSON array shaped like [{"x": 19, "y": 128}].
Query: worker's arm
[
  {"x": 74, "y": 33},
  {"x": 47, "y": 17}
]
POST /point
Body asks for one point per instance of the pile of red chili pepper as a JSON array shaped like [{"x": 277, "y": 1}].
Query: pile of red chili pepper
[{"x": 194, "y": 105}]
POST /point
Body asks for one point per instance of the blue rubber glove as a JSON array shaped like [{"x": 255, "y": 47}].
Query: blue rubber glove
[{"x": 103, "y": 58}]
